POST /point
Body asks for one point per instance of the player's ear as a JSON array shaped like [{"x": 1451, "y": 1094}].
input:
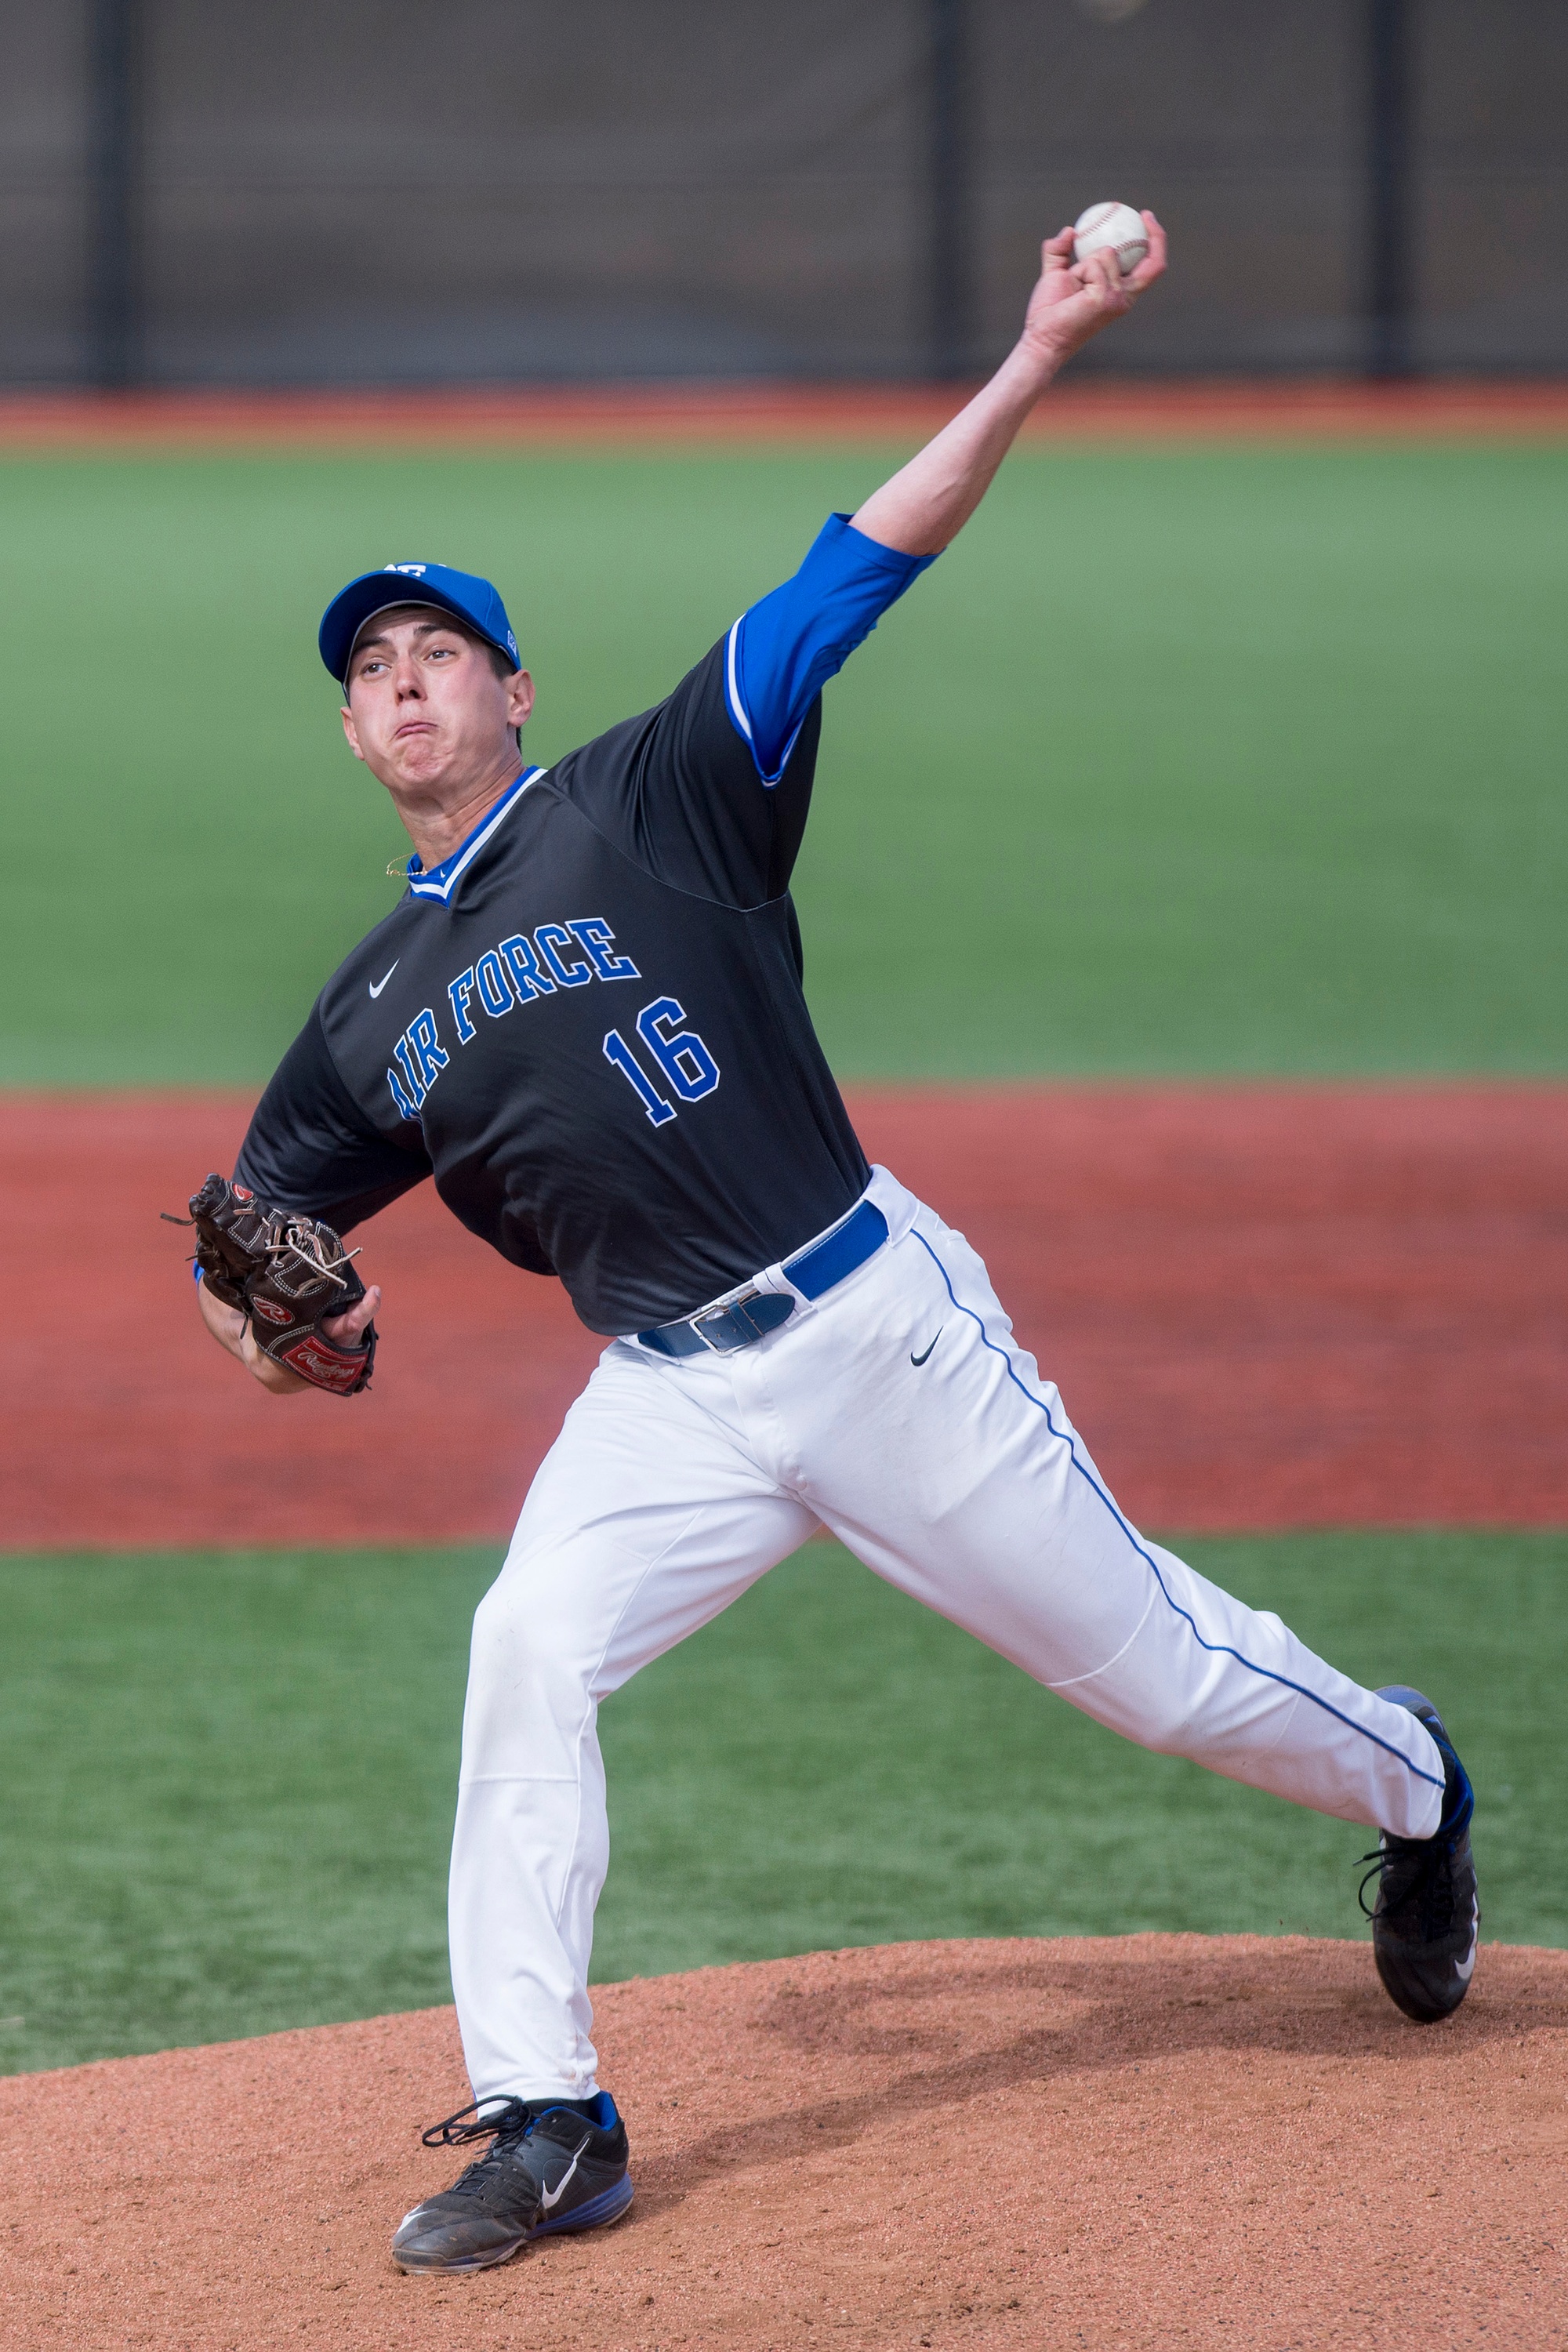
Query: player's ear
[
  {"x": 351, "y": 731},
  {"x": 519, "y": 699}
]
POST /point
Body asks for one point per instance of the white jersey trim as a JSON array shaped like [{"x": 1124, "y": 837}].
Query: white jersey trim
[
  {"x": 429, "y": 887},
  {"x": 732, "y": 682},
  {"x": 738, "y": 711}
]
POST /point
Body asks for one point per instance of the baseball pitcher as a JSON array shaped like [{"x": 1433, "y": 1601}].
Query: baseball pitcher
[{"x": 585, "y": 1020}]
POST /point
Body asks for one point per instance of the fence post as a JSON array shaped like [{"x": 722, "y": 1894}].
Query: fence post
[
  {"x": 949, "y": 250},
  {"x": 114, "y": 272},
  {"x": 1389, "y": 270}
]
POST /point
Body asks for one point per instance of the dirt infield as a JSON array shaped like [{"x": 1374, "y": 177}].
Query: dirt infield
[
  {"x": 1265, "y": 1306},
  {"x": 652, "y": 414},
  {"x": 1148, "y": 2142}
]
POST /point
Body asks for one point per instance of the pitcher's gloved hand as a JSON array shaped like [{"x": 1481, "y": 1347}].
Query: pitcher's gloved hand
[{"x": 287, "y": 1275}]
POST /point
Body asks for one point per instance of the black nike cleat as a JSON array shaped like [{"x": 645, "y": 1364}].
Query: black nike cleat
[
  {"x": 552, "y": 2163},
  {"x": 1426, "y": 1919}
]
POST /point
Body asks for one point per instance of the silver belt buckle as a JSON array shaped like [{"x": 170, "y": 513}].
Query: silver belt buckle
[{"x": 717, "y": 1315}]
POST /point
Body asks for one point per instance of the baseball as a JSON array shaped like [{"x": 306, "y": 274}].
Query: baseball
[{"x": 1111, "y": 228}]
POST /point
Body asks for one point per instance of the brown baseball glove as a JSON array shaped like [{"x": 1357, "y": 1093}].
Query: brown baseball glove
[{"x": 287, "y": 1274}]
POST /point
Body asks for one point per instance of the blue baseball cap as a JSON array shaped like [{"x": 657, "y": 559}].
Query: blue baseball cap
[{"x": 472, "y": 600}]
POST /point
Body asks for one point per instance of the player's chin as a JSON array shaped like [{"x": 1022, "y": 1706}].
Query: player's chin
[{"x": 418, "y": 759}]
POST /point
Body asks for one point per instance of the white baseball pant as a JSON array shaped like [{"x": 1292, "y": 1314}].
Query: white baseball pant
[{"x": 674, "y": 1486}]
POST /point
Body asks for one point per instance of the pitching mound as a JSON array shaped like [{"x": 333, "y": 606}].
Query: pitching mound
[{"x": 1146, "y": 2141}]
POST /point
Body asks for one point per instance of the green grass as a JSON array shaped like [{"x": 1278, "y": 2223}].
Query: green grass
[
  {"x": 1181, "y": 761},
  {"x": 229, "y": 1781}
]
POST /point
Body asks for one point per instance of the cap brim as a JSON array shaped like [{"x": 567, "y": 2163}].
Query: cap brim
[{"x": 343, "y": 620}]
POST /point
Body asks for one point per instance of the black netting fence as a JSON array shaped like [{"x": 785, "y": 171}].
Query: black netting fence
[{"x": 309, "y": 191}]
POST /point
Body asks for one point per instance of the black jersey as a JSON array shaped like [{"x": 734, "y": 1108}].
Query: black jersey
[{"x": 589, "y": 1025}]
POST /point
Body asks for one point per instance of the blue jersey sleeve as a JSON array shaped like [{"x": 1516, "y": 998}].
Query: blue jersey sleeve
[{"x": 781, "y": 653}]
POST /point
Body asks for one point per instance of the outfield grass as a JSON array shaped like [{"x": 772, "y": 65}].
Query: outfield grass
[
  {"x": 229, "y": 1781},
  {"x": 1184, "y": 760}
]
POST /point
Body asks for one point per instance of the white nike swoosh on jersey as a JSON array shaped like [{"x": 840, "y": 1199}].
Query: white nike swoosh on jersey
[
  {"x": 377, "y": 985},
  {"x": 550, "y": 2198}
]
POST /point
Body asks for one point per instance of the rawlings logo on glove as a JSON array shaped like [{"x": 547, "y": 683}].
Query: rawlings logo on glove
[{"x": 288, "y": 1274}]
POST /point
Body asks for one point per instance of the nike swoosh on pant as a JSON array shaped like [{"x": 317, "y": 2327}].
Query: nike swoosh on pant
[
  {"x": 377, "y": 986},
  {"x": 550, "y": 2198}
]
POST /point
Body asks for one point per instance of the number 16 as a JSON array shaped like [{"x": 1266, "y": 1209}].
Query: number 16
[{"x": 681, "y": 1054}]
